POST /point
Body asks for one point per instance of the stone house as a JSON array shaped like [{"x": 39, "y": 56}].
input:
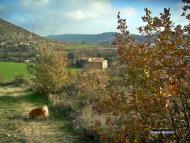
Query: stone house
[{"x": 94, "y": 62}]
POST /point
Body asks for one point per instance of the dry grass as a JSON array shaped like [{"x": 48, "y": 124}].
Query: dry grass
[{"x": 15, "y": 103}]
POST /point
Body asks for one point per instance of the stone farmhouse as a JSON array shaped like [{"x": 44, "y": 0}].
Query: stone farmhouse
[{"x": 94, "y": 62}]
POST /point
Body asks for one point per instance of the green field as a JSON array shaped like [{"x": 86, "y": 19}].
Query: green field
[
  {"x": 9, "y": 70},
  {"x": 73, "y": 70}
]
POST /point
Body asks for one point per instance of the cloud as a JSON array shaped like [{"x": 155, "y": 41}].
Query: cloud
[
  {"x": 176, "y": 11},
  {"x": 129, "y": 11},
  {"x": 77, "y": 15},
  {"x": 34, "y": 2},
  {"x": 72, "y": 16}
]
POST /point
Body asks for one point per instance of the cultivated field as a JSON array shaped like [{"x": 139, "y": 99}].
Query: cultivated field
[{"x": 9, "y": 70}]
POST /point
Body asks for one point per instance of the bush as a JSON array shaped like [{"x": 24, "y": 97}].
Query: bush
[
  {"x": 91, "y": 85},
  {"x": 76, "y": 104},
  {"x": 22, "y": 80},
  {"x": 50, "y": 72},
  {"x": 83, "y": 121}
]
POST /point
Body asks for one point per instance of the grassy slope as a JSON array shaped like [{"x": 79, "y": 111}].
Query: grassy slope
[{"x": 8, "y": 70}]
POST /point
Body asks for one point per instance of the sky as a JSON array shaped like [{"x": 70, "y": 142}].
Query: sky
[{"x": 51, "y": 17}]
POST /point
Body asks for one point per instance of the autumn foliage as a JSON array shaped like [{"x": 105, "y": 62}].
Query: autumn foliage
[
  {"x": 50, "y": 69},
  {"x": 147, "y": 91},
  {"x": 152, "y": 92}
]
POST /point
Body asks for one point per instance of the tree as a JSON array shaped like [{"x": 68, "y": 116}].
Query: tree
[
  {"x": 50, "y": 73},
  {"x": 152, "y": 92},
  {"x": 180, "y": 105}
]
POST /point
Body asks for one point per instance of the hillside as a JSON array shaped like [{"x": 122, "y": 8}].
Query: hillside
[
  {"x": 18, "y": 44},
  {"x": 102, "y": 39},
  {"x": 86, "y": 38}
]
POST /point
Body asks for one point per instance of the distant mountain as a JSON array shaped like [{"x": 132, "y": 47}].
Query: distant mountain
[
  {"x": 17, "y": 44},
  {"x": 84, "y": 38},
  {"x": 103, "y": 38}
]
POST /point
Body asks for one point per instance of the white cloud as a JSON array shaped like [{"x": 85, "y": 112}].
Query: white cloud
[
  {"x": 43, "y": 1},
  {"x": 176, "y": 14},
  {"x": 70, "y": 16},
  {"x": 100, "y": 5},
  {"x": 129, "y": 11},
  {"x": 77, "y": 15}
]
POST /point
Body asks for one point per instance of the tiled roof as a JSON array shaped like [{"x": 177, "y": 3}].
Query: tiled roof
[
  {"x": 96, "y": 59},
  {"x": 93, "y": 59}
]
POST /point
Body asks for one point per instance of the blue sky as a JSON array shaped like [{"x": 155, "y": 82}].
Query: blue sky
[{"x": 46, "y": 17}]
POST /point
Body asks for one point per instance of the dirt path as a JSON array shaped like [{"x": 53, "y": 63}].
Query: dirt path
[{"x": 15, "y": 103}]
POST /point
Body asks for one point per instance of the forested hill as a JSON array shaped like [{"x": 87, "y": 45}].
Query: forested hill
[
  {"x": 87, "y": 38},
  {"x": 103, "y": 38},
  {"x": 17, "y": 44}
]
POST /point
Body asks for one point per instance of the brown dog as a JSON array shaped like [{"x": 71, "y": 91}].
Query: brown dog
[{"x": 38, "y": 112}]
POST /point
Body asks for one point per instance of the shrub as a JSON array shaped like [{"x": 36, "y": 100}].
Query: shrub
[
  {"x": 152, "y": 92},
  {"x": 22, "y": 80},
  {"x": 50, "y": 72}
]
